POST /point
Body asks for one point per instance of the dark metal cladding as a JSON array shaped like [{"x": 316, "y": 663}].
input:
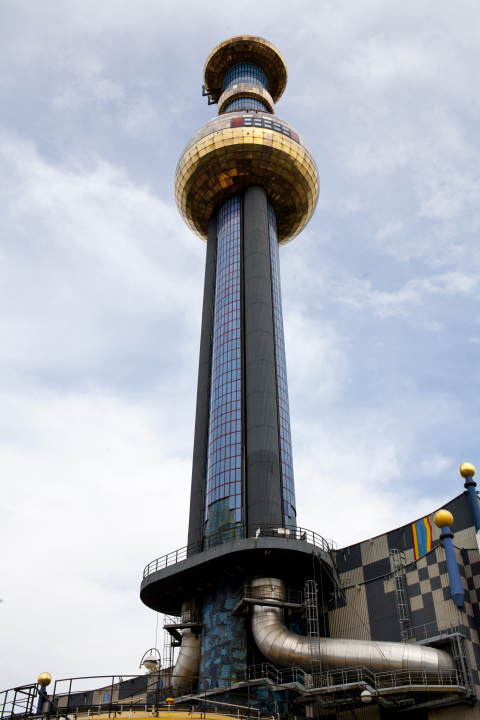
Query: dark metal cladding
[
  {"x": 195, "y": 527},
  {"x": 264, "y": 495}
]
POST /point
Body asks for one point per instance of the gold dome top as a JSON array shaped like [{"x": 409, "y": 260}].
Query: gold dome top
[
  {"x": 241, "y": 49},
  {"x": 466, "y": 470},
  {"x": 443, "y": 518},
  {"x": 239, "y": 149},
  {"x": 44, "y": 679}
]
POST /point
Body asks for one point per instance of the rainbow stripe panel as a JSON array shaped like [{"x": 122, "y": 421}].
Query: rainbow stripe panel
[{"x": 422, "y": 537}]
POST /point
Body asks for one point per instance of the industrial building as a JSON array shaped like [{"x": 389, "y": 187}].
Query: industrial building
[{"x": 264, "y": 617}]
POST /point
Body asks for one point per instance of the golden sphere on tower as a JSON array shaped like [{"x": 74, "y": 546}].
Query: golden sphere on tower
[
  {"x": 466, "y": 470},
  {"x": 44, "y": 679},
  {"x": 234, "y": 151},
  {"x": 442, "y": 518}
]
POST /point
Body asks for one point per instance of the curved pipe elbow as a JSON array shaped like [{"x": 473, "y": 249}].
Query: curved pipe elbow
[
  {"x": 286, "y": 649},
  {"x": 186, "y": 667}
]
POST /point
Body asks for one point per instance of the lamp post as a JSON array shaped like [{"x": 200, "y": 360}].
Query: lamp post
[{"x": 153, "y": 665}]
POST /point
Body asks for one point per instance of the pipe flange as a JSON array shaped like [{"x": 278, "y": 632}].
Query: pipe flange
[
  {"x": 244, "y": 49},
  {"x": 245, "y": 90}
]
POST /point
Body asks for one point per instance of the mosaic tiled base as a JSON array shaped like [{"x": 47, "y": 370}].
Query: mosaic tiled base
[{"x": 224, "y": 638}]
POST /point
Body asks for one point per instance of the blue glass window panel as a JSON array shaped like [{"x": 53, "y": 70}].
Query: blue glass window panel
[
  {"x": 245, "y": 103},
  {"x": 286, "y": 463},
  {"x": 245, "y": 73},
  {"x": 225, "y": 446}
]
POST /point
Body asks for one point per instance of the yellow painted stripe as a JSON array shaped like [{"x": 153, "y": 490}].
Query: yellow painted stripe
[{"x": 415, "y": 541}]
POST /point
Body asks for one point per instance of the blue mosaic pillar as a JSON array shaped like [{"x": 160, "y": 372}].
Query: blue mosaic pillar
[
  {"x": 224, "y": 638},
  {"x": 444, "y": 520}
]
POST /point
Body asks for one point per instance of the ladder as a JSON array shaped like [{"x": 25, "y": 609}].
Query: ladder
[
  {"x": 398, "y": 561},
  {"x": 311, "y": 610}
]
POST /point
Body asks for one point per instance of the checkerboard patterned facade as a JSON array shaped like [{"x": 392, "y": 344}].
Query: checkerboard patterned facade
[{"x": 367, "y": 606}]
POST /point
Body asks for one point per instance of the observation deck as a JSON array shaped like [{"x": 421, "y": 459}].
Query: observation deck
[{"x": 231, "y": 555}]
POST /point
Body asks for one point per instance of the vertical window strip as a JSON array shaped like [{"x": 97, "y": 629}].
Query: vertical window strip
[
  {"x": 224, "y": 476},
  {"x": 286, "y": 461}
]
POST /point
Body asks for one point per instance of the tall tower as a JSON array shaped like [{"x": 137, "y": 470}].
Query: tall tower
[{"x": 246, "y": 183}]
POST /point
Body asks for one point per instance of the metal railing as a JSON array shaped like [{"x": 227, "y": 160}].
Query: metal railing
[
  {"x": 18, "y": 702},
  {"x": 391, "y": 682},
  {"x": 265, "y": 671},
  {"x": 330, "y": 682},
  {"x": 284, "y": 596},
  {"x": 114, "y": 695},
  {"x": 183, "y": 619},
  {"x": 436, "y": 628},
  {"x": 109, "y": 696},
  {"x": 239, "y": 532}
]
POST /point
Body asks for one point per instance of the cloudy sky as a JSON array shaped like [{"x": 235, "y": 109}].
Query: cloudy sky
[{"x": 101, "y": 290}]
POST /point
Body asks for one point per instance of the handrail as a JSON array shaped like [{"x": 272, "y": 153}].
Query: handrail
[
  {"x": 239, "y": 532},
  {"x": 18, "y": 703},
  {"x": 329, "y": 681}
]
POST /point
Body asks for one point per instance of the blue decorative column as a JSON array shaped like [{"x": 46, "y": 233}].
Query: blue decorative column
[
  {"x": 467, "y": 471},
  {"x": 444, "y": 520},
  {"x": 44, "y": 679}
]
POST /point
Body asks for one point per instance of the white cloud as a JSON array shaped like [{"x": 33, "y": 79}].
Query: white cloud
[
  {"x": 315, "y": 353},
  {"x": 402, "y": 302},
  {"x": 389, "y": 57},
  {"x": 92, "y": 491},
  {"x": 106, "y": 273}
]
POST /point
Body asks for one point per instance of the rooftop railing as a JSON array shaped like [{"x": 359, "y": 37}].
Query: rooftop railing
[
  {"x": 239, "y": 532},
  {"x": 144, "y": 694}
]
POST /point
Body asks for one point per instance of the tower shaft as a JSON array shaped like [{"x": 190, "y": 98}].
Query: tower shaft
[{"x": 242, "y": 469}]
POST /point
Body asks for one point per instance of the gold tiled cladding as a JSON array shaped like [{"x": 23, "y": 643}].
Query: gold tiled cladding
[
  {"x": 245, "y": 90},
  {"x": 220, "y": 160},
  {"x": 245, "y": 48}
]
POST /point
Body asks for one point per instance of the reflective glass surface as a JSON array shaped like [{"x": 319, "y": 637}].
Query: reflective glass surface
[
  {"x": 224, "y": 474},
  {"x": 223, "y": 157},
  {"x": 245, "y": 73},
  {"x": 246, "y": 103},
  {"x": 288, "y": 486}
]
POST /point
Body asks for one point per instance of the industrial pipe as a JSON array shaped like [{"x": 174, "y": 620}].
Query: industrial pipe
[
  {"x": 287, "y": 649},
  {"x": 186, "y": 667}
]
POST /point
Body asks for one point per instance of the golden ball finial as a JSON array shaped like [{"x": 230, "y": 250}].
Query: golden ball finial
[
  {"x": 442, "y": 518},
  {"x": 44, "y": 679},
  {"x": 466, "y": 470}
]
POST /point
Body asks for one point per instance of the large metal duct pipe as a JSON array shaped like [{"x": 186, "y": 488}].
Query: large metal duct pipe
[
  {"x": 286, "y": 649},
  {"x": 188, "y": 660},
  {"x": 186, "y": 667}
]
